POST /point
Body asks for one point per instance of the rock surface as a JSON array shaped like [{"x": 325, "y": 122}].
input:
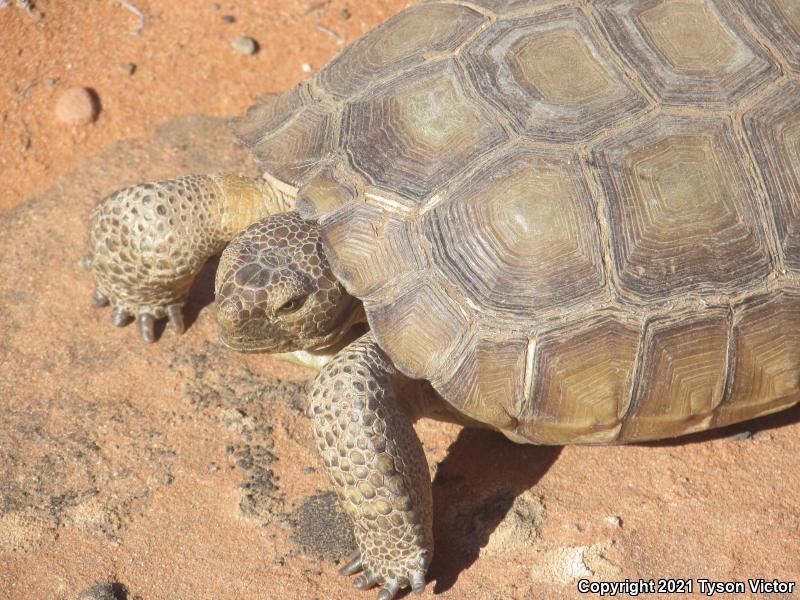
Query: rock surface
[{"x": 183, "y": 470}]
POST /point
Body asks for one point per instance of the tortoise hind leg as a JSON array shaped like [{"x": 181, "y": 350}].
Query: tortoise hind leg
[{"x": 377, "y": 466}]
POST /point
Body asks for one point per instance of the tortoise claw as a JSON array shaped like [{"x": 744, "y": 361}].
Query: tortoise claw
[
  {"x": 147, "y": 327},
  {"x": 175, "y": 317},
  {"x": 119, "y": 317},
  {"x": 99, "y": 299},
  {"x": 145, "y": 319},
  {"x": 365, "y": 581},
  {"x": 353, "y": 566},
  {"x": 417, "y": 581},
  {"x": 389, "y": 587},
  {"x": 389, "y": 590}
]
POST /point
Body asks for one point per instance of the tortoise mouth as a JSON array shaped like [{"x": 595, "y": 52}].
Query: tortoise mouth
[
  {"x": 248, "y": 345},
  {"x": 247, "y": 341},
  {"x": 257, "y": 336}
]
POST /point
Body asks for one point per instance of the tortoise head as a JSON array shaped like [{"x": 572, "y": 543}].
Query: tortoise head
[{"x": 275, "y": 291}]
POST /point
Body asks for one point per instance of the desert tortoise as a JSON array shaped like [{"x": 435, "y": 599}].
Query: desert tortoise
[{"x": 579, "y": 222}]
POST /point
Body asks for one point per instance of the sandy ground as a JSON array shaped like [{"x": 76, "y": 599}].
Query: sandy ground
[
  {"x": 182, "y": 470},
  {"x": 183, "y": 63}
]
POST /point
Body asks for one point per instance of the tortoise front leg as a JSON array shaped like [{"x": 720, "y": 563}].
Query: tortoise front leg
[
  {"x": 147, "y": 242},
  {"x": 377, "y": 466}
]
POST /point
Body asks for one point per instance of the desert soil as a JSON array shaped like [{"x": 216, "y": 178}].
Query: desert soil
[{"x": 182, "y": 470}]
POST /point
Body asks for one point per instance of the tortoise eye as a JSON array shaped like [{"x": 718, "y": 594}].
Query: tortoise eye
[{"x": 292, "y": 305}]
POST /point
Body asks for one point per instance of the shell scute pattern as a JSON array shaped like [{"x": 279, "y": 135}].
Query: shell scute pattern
[
  {"x": 295, "y": 150},
  {"x": 502, "y": 7},
  {"x": 581, "y": 377},
  {"x": 683, "y": 212},
  {"x": 418, "y": 131},
  {"x": 550, "y": 76},
  {"x": 571, "y": 226},
  {"x": 773, "y": 128},
  {"x": 688, "y": 51},
  {"x": 522, "y": 222},
  {"x": 269, "y": 113},
  {"x": 418, "y": 325},
  {"x": 493, "y": 367},
  {"x": 684, "y": 365},
  {"x": 402, "y": 42},
  {"x": 373, "y": 245},
  {"x": 765, "y": 357},
  {"x": 779, "y": 21}
]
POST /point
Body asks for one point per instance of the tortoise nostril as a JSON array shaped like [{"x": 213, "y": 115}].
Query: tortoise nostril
[{"x": 230, "y": 313}]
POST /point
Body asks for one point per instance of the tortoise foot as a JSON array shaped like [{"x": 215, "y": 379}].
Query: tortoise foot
[{"x": 389, "y": 586}]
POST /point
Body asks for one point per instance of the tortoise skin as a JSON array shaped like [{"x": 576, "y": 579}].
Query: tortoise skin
[{"x": 579, "y": 221}]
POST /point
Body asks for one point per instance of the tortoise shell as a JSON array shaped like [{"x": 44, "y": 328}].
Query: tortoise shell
[{"x": 579, "y": 221}]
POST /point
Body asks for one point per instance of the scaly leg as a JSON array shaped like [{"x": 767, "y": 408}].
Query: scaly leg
[
  {"x": 377, "y": 466},
  {"x": 147, "y": 242}
]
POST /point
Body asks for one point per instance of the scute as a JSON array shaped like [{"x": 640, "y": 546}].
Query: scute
[
  {"x": 414, "y": 134},
  {"x": 766, "y": 368},
  {"x": 688, "y": 50},
  {"x": 290, "y": 134},
  {"x": 488, "y": 383},
  {"x": 779, "y": 21},
  {"x": 683, "y": 211},
  {"x": 682, "y": 377},
  {"x": 505, "y": 6},
  {"x": 269, "y": 113},
  {"x": 551, "y": 77},
  {"x": 401, "y": 42},
  {"x": 582, "y": 381},
  {"x": 326, "y": 192},
  {"x": 774, "y": 130},
  {"x": 518, "y": 236},
  {"x": 418, "y": 325},
  {"x": 373, "y": 246}
]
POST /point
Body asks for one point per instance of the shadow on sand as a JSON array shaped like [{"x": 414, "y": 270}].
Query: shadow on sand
[
  {"x": 488, "y": 472},
  {"x": 484, "y": 467}
]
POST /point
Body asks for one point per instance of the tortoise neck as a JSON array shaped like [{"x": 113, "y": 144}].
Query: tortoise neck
[{"x": 245, "y": 200}]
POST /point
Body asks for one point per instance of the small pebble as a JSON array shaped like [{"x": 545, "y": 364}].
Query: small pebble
[
  {"x": 614, "y": 521},
  {"x": 242, "y": 44},
  {"x": 128, "y": 68},
  {"x": 77, "y": 106},
  {"x": 51, "y": 81},
  {"x": 306, "y": 68},
  {"x": 228, "y": 18},
  {"x": 344, "y": 14}
]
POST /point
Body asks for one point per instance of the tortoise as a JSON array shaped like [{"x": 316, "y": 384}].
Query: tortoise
[{"x": 569, "y": 222}]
